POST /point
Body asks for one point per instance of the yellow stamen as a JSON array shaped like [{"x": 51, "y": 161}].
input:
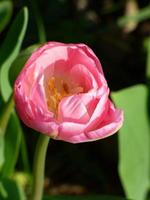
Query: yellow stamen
[{"x": 56, "y": 90}]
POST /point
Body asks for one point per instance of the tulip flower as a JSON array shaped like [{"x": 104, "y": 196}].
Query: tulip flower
[{"x": 62, "y": 92}]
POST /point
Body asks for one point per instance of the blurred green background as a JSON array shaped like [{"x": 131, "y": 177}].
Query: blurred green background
[{"x": 118, "y": 31}]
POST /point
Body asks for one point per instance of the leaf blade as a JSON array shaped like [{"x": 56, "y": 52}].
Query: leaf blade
[
  {"x": 10, "y": 50},
  {"x": 12, "y": 145},
  {"x": 6, "y": 8},
  {"x": 134, "y": 141},
  {"x": 2, "y": 158},
  {"x": 20, "y": 61},
  {"x": 13, "y": 189}
]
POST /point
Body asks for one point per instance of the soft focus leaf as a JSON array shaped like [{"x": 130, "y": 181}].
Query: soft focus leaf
[
  {"x": 10, "y": 50},
  {"x": 24, "y": 154},
  {"x": 19, "y": 62},
  {"x": 96, "y": 197},
  {"x": 5, "y": 13},
  {"x": 134, "y": 141},
  {"x": 1, "y": 151},
  {"x": 3, "y": 192},
  {"x": 23, "y": 179},
  {"x": 5, "y": 114},
  {"x": 14, "y": 191},
  {"x": 12, "y": 144},
  {"x": 132, "y": 9},
  {"x": 142, "y": 15}
]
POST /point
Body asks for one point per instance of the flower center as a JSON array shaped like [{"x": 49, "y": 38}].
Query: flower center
[{"x": 57, "y": 89}]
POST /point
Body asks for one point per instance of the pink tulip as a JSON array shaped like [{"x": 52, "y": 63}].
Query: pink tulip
[{"x": 62, "y": 92}]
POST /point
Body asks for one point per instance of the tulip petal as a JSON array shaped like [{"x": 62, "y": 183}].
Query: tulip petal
[
  {"x": 91, "y": 54},
  {"x": 78, "y": 56},
  {"x": 83, "y": 77},
  {"x": 74, "y": 108},
  {"x": 107, "y": 128}
]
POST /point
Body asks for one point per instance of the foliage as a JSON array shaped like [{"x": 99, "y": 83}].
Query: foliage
[
  {"x": 134, "y": 155},
  {"x": 126, "y": 61}
]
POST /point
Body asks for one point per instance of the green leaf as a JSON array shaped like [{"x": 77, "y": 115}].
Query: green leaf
[
  {"x": 6, "y": 8},
  {"x": 5, "y": 114},
  {"x": 3, "y": 192},
  {"x": 12, "y": 145},
  {"x": 4, "y": 118},
  {"x": 142, "y": 15},
  {"x": 86, "y": 197},
  {"x": 20, "y": 61},
  {"x": 10, "y": 50},
  {"x": 14, "y": 191},
  {"x": 134, "y": 141},
  {"x": 24, "y": 155},
  {"x": 2, "y": 158}
]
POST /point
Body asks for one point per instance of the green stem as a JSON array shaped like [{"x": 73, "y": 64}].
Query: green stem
[{"x": 39, "y": 167}]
